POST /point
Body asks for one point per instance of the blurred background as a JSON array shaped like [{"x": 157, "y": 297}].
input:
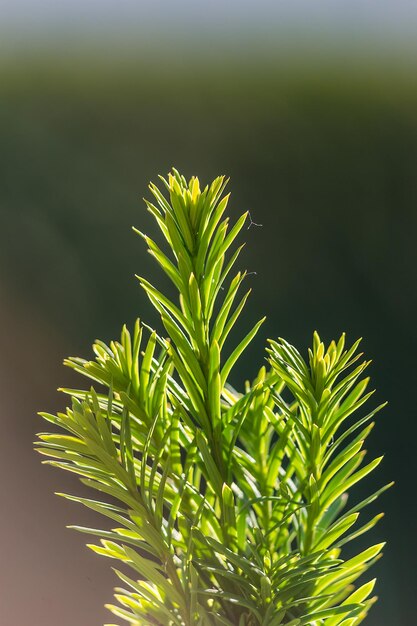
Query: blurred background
[{"x": 311, "y": 109}]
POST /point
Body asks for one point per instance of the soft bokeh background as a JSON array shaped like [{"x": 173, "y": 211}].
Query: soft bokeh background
[{"x": 311, "y": 109}]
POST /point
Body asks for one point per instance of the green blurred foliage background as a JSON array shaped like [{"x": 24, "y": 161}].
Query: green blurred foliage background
[{"x": 325, "y": 158}]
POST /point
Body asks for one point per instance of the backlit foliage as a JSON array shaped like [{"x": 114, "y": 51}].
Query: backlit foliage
[{"x": 228, "y": 507}]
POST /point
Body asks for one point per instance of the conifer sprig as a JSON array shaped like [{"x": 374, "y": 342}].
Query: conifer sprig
[{"x": 227, "y": 508}]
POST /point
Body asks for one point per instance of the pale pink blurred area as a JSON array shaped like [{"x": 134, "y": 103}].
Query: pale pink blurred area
[{"x": 47, "y": 575}]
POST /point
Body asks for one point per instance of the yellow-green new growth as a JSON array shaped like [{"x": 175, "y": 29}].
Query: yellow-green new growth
[{"x": 228, "y": 506}]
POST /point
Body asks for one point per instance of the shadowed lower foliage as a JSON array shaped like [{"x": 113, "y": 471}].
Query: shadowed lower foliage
[{"x": 229, "y": 507}]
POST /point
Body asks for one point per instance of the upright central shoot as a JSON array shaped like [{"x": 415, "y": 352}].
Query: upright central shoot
[
  {"x": 193, "y": 224},
  {"x": 229, "y": 505}
]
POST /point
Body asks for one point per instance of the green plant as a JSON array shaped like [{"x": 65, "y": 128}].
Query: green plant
[{"x": 228, "y": 505}]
